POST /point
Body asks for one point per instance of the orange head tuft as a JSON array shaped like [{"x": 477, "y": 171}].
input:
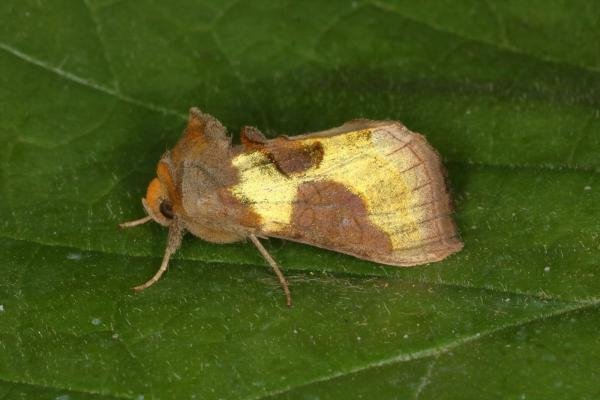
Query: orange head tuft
[{"x": 160, "y": 196}]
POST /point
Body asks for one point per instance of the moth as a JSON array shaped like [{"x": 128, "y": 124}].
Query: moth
[{"x": 371, "y": 189}]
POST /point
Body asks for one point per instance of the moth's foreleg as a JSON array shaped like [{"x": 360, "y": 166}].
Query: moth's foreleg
[
  {"x": 163, "y": 267},
  {"x": 282, "y": 281},
  {"x": 174, "y": 241}
]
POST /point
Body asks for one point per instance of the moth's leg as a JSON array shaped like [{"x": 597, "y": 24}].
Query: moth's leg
[
  {"x": 158, "y": 274},
  {"x": 136, "y": 222},
  {"x": 282, "y": 281},
  {"x": 174, "y": 241}
]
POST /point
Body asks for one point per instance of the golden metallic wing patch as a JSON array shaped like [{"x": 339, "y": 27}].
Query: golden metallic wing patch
[{"x": 371, "y": 189}]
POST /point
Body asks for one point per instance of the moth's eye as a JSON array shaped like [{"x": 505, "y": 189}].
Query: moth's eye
[{"x": 166, "y": 209}]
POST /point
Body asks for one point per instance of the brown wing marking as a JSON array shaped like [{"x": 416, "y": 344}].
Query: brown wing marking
[
  {"x": 292, "y": 157},
  {"x": 328, "y": 215},
  {"x": 288, "y": 156}
]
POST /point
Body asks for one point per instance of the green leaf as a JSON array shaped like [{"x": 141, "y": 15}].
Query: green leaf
[{"x": 93, "y": 91}]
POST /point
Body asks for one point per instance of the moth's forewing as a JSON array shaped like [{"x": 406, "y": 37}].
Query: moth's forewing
[{"x": 371, "y": 189}]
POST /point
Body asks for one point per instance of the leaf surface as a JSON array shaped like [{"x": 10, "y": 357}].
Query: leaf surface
[{"x": 93, "y": 92}]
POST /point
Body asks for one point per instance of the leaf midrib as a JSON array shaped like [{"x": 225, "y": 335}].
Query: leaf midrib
[{"x": 335, "y": 274}]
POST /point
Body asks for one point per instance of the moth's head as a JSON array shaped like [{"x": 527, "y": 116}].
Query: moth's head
[
  {"x": 159, "y": 201},
  {"x": 203, "y": 134}
]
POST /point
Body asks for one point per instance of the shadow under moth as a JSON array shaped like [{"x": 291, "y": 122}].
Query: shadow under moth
[{"x": 371, "y": 189}]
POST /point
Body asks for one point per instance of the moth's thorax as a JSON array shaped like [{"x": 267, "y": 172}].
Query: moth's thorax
[{"x": 201, "y": 171}]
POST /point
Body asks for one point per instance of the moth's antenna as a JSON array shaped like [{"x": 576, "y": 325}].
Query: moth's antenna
[
  {"x": 136, "y": 222},
  {"x": 174, "y": 240},
  {"x": 282, "y": 281}
]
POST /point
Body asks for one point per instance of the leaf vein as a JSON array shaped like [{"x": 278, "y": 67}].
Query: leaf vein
[
  {"x": 507, "y": 47},
  {"x": 429, "y": 352},
  {"x": 67, "y": 389},
  {"x": 96, "y": 21},
  {"x": 88, "y": 83}
]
